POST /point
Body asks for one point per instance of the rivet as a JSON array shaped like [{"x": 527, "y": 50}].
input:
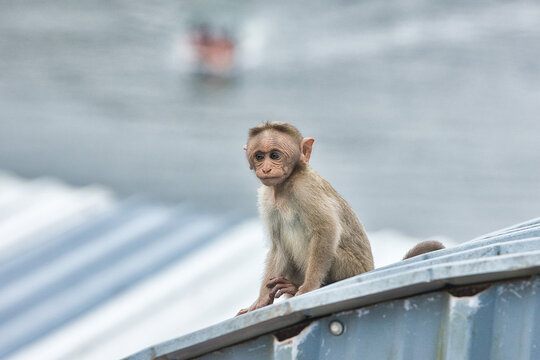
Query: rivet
[{"x": 336, "y": 328}]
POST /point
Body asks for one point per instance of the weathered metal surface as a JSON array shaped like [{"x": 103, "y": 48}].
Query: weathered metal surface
[
  {"x": 499, "y": 323},
  {"x": 402, "y": 311}
]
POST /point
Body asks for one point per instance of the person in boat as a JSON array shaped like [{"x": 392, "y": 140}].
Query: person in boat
[{"x": 214, "y": 49}]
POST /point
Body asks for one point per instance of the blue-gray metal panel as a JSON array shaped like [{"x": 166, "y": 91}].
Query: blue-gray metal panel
[
  {"x": 51, "y": 248},
  {"x": 80, "y": 290},
  {"x": 498, "y": 323},
  {"x": 529, "y": 224},
  {"x": 514, "y": 254},
  {"x": 48, "y": 281}
]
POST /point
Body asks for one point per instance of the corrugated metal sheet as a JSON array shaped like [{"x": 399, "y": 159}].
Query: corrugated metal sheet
[
  {"x": 66, "y": 251},
  {"x": 478, "y": 300}
]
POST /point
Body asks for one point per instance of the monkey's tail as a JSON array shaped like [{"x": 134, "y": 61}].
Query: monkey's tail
[{"x": 424, "y": 247}]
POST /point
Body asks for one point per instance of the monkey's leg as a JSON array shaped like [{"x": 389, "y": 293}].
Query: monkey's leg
[
  {"x": 320, "y": 261},
  {"x": 276, "y": 263},
  {"x": 280, "y": 286}
]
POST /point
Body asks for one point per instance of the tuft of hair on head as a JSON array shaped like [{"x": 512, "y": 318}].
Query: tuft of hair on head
[{"x": 280, "y": 126}]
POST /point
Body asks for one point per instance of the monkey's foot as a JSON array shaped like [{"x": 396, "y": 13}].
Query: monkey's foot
[
  {"x": 242, "y": 312},
  {"x": 307, "y": 287},
  {"x": 280, "y": 286},
  {"x": 257, "y": 305}
]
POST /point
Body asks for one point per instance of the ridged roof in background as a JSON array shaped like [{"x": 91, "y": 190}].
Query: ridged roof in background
[{"x": 65, "y": 251}]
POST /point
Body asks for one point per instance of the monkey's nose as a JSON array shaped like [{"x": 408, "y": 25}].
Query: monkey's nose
[{"x": 266, "y": 171}]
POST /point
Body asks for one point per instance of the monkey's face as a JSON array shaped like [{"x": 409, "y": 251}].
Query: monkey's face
[{"x": 273, "y": 156}]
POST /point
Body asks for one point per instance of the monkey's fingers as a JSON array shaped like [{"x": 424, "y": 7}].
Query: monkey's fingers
[
  {"x": 281, "y": 289},
  {"x": 276, "y": 280},
  {"x": 275, "y": 290},
  {"x": 290, "y": 289}
]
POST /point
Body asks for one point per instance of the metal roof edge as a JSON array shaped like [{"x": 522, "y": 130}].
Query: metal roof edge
[{"x": 405, "y": 279}]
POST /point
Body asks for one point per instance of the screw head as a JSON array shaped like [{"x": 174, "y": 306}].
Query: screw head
[{"x": 336, "y": 327}]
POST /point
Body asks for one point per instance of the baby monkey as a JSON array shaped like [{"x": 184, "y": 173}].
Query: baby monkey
[{"x": 315, "y": 237}]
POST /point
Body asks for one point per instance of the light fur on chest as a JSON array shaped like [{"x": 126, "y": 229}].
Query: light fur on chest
[{"x": 287, "y": 228}]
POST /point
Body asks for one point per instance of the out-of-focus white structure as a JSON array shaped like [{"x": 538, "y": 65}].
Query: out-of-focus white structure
[{"x": 84, "y": 275}]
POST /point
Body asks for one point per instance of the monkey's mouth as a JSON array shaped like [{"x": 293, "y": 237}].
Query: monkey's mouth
[{"x": 267, "y": 180}]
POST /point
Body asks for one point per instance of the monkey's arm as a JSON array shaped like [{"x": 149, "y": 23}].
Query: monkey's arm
[{"x": 276, "y": 265}]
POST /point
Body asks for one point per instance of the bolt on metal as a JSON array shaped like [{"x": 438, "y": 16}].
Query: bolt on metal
[{"x": 336, "y": 327}]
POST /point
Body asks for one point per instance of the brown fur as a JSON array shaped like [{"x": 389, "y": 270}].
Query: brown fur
[
  {"x": 277, "y": 126},
  {"x": 424, "y": 247},
  {"x": 316, "y": 238}
]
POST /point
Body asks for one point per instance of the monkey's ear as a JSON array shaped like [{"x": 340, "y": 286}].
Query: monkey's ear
[
  {"x": 306, "y": 145},
  {"x": 250, "y": 164}
]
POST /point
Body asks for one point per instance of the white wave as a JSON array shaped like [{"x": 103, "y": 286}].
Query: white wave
[
  {"x": 456, "y": 28},
  {"x": 253, "y": 38}
]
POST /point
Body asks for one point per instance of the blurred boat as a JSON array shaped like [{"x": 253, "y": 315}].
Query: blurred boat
[{"x": 214, "y": 50}]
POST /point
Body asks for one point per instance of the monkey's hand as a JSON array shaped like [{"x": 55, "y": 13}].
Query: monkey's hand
[
  {"x": 280, "y": 286},
  {"x": 306, "y": 287}
]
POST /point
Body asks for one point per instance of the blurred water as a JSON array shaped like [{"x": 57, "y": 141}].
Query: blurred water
[{"x": 425, "y": 113}]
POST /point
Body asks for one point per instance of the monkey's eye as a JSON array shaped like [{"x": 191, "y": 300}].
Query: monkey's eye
[
  {"x": 274, "y": 155},
  {"x": 259, "y": 157}
]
